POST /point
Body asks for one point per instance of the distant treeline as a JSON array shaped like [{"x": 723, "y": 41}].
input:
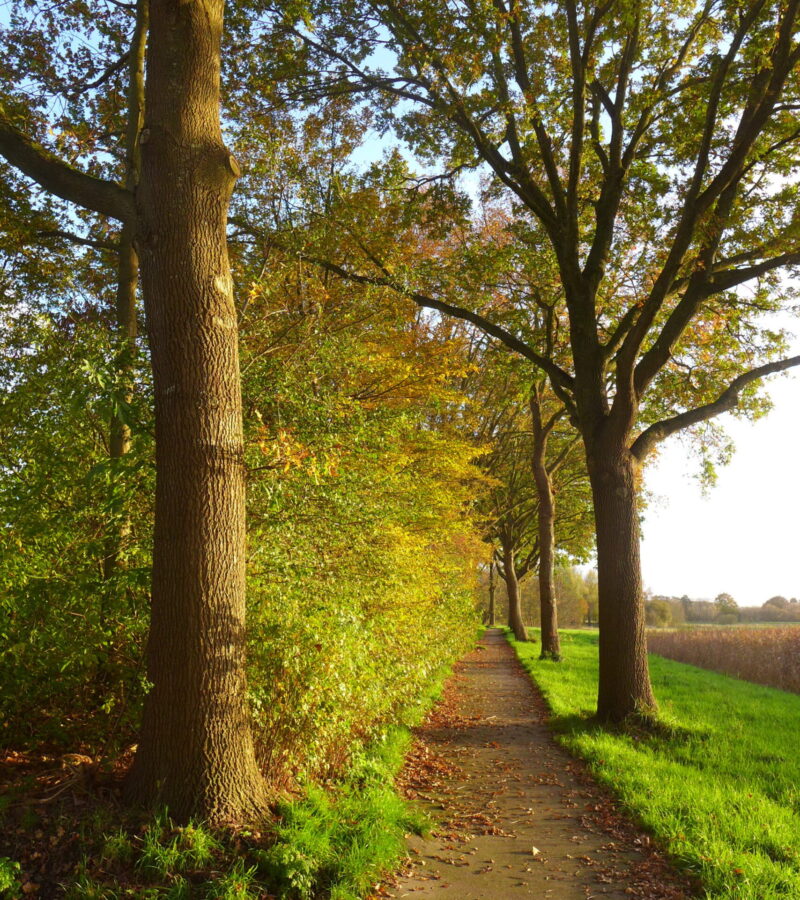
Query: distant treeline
[{"x": 723, "y": 610}]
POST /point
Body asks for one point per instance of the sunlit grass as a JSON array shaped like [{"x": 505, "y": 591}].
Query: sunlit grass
[
  {"x": 335, "y": 841},
  {"x": 719, "y": 787},
  {"x": 343, "y": 842}
]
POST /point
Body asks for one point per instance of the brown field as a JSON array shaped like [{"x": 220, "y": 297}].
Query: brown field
[{"x": 768, "y": 656}]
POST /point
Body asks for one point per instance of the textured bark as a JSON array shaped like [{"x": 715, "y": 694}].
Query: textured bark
[
  {"x": 127, "y": 272},
  {"x": 196, "y": 752},
  {"x": 515, "y": 622},
  {"x": 624, "y": 679},
  {"x": 548, "y": 608}
]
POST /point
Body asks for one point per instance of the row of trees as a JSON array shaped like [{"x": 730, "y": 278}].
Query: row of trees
[
  {"x": 356, "y": 475},
  {"x": 640, "y": 224},
  {"x": 723, "y": 610},
  {"x": 576, "y": 591},
  {"x": 636, "y": 164}
]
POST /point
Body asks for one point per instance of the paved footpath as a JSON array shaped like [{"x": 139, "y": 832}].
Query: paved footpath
[{"x": 517, "y": 816}]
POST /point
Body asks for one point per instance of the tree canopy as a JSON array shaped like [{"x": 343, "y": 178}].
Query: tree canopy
[{"x": 423, "y": 287}]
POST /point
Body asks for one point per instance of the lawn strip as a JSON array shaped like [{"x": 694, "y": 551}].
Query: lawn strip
[{"x": 719, "y": 786}]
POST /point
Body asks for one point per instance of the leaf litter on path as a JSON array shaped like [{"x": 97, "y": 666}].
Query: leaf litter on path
[{"x": 516, "y": 816}]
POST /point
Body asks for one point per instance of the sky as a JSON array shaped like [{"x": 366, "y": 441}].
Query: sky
[{"x": 743, "y": 537}]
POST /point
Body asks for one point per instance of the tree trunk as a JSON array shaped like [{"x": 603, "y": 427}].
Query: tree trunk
[
  {"x": 492, "y": 614},
  {"x": 551, "y": 646},
  {"x": 512, "y": 589},
  {"x": 127, "y": 277},
  {"x": 196, "y": 752},
  {"x": 624, "y": 682}
]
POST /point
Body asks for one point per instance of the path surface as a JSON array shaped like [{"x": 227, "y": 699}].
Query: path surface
[{"x": 517, "y": 816}]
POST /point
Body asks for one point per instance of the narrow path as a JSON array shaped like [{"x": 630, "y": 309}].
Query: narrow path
[{"x": 517, "y": 816}]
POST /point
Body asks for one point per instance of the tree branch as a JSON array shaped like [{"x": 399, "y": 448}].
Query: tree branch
[
  {"x": 730, "y": 278},
  {"x": 56, "y": 177},
  {"x": 562, "y": 381},
  {"x": 727, "y": 400},
  {"x": 107, "y": 73},
  {"x": 697, "y": 200},
  {"x": 77, "y": 239}
]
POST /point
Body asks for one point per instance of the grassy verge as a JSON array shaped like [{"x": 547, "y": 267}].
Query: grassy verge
[
  {"x": 340, "y": 844},
  {"x": 335, "y": 841},
  {"x": 332, "y": 842},
  {"x": 719, "y": 786}
]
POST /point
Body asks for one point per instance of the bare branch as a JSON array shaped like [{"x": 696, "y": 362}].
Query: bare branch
[
  {"x": 77, "y": 239},
  {"x": 727, "y": 400},
  {"x": 56, "y": 177}
]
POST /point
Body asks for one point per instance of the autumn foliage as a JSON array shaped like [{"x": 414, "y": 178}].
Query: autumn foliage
[{"x": 768, "y": 656}]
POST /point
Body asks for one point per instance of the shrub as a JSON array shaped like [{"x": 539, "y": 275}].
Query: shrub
[{"x": 9, "y": 877}]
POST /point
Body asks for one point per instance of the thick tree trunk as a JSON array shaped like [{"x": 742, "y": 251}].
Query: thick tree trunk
[
  {"x": 624, "y": 682},
  {"x": 196, "y": 752},
  {"x": 492, "y": 614},
  {"x": 512, "y": 590},
  {"x": 551, "y": 646}
]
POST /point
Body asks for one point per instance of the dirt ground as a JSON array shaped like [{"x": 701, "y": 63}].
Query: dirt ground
[{"x": 516, "y": 815}]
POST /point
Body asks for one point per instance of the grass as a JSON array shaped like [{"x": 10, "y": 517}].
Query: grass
[
  {"x": 338, "y": 843},
  {"x": 718, "y": 786},
  {"x": 341, "y": 844},
  {"x": 335, "y": 841}
]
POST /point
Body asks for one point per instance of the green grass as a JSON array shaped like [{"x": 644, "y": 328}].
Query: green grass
[
  {"x": 335, "y": 841},
  {"x": 341, "y": 843},
  {"x": 719, "y": 786}
]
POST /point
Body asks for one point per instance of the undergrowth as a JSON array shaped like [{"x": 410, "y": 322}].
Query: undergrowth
[
  {"x": 716, "y": 782},
  {"x": 343, "y": 842},
  {"x": 334, "y": 841}
]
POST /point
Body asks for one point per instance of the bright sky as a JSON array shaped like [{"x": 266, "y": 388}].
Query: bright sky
[{"x": 743, "y": 537}]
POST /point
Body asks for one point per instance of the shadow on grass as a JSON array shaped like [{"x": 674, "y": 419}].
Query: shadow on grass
[{"x": 651, "y": 730}]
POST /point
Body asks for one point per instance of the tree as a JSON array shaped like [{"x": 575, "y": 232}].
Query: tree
[
  {"x": 125, "y": 306},
  {"x": 727, "y": 609},
  {"x": 195, "y": 754},
  {"x": 531, "y": 462},
  {"x": 548, "y": 472},
  {"x": 592, "y": 598},
  {"x": 725, "y": 603},
  {"x": 657, "y": 189},
  {"x": 362, "y": 552},
  {"x": 364, "y": 220},
  {"x": 658, "y": 612},
  {"x": 491, "y": 613},
  {"x": 511, "y": 501}
]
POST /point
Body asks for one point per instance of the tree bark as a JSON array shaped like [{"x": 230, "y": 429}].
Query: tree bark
[
  {"x": 195, "y": 753},
  {"x": 492, "y": 614},
  {"x": 624, "y": 680},
  {"x": 512, "y": 589},
  {"x": 548, "y": 608}
]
